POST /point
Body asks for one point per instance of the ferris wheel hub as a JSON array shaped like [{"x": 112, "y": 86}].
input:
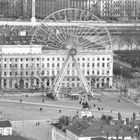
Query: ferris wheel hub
[{"x": 73, "y": 52}]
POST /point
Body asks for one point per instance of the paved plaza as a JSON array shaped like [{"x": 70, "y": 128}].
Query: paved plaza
[{"x": 25, "y": 114}]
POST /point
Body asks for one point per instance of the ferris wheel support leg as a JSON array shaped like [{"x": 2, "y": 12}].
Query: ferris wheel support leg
[
  {"x": 84, "y": 81},
  {"x": 61, "y": 75},
  {"x": 60, "y": 82}
]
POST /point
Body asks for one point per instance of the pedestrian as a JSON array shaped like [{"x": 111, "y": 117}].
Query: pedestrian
[
  {"x": 60, "y": 111},
  {"x": 80, "y": 102},
  {"x": 43, "y": 100},
  {"x": 26, "y": 95},
  {"x": 118, "y": 100},
  {"x": 77, "y": 112},
  {"x": 94, "y": 105},
  {"x": 20, "y": 100}
]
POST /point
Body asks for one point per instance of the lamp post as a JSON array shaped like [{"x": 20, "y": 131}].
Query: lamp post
[{"x": 121, "y": 67}]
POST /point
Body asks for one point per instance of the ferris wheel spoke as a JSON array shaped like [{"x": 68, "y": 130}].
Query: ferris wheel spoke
[
  {"x": 52, "y": 33},
  {"x": 53, "y": 36},
  {"x": 62, "y": 33}
]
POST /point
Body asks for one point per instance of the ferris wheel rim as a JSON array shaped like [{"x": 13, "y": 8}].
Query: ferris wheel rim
[{"x": 81, "y": 24}]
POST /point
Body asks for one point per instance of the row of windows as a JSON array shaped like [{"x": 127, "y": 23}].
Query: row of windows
[
  {"x": 58, "y": 65},
  {"x": 27, "y": 73},
  {"x": 52, "y": 59}
]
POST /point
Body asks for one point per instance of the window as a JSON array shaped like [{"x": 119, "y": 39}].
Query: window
[
  {"x": 93, "y": 64},
  {"x": 103, "y": 64},
  {"x": 98, "y": 59},
  {"x": 37, "y": 65},
  {"x": 37, "y": 59},
  {"x": 103, "y": 59},
  {"x": 52, "y": 59},
  {"x": 93, "y": 72},
  {"x": 48, "y": 73},
  {"x": 83, "y": 59},
  {"x": 47, "y": 59},
  {"x": 78, "y": 59},
  {"x": 16, "y": 65},
  {"x": 10, "y": 73},
  {"x": 98, "y": 64},
  {"x": 26, "y": 72},
  {"x": 5, "y": 73},
  {"x": 16, "y": 59},
  {"x": 27, "y": 59},
  {"x": 26, "y": 65},
  {"x": 52, "y": 64},
  {"x": 10, "y": 65},
  {"x": 21, "y": 65},
  {"x": 88, "y": 59},
  {"x": 21, "y": 73},
  {"x": 4, "y": 65},
  {"x": 108, "y": 64},
  {"x": 88, "y": 65},
  {"x": 63, "y": 59},
  {"x": 58, "y": 59},
  {"x": 88, "y": 72},
  {"x": 42, "y": 72},
  {"x": 16, "y": 73},
  {"x": 97, "y": 72},
  {"x": 21, "y": 59},
  {"x": 93, "y": 59},
  {"x": 32, "y": 73},
  {"x": 58, "y": 65},
  {"x": 108, "y": 59},
  {"x": 83, "y": 65},
  {"x": 47, "y": 64},
  {"x": 52, "y": 72}
]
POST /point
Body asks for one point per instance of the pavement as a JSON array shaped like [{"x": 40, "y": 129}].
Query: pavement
[{"x": 25, "y": 114}]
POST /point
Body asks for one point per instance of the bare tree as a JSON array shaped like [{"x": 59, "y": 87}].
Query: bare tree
[{"x": 127, "y": 39}]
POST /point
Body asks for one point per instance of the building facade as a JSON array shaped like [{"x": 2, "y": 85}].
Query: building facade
[
  {"x": 25, "y": 67},
  {"x": 12, "y": 8},
  {"x": 43, "y": 8},
  {"x": 5, "y": 128},
  {"x": 119, "y": 9}
]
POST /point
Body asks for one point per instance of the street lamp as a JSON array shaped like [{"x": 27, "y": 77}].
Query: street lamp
[{"x": 121, "y": 67}]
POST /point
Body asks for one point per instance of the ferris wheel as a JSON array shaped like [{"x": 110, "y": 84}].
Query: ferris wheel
[{"x": 72, "y": 30}]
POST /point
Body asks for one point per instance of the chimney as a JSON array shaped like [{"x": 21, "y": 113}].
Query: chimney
[
  {"x": 127, "y": 121},
  {"x": 119, "y": 116},
  {"x": 134, "y": 116}
]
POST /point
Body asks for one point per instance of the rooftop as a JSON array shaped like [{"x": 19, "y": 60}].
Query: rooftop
[
  {"x": 5, "y": 124},
  {"x": 99, "y": 129}
]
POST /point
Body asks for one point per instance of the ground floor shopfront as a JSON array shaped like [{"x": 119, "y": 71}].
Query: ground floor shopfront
[{"x": 46, "y": 82}]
